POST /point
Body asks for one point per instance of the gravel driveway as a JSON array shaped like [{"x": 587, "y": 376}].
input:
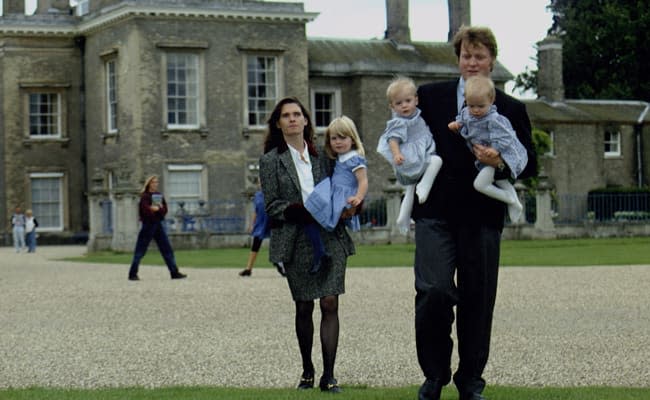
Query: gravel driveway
[{"x": 79, "y": 325}]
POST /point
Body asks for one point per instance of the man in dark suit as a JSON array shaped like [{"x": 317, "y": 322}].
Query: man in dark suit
[{"x": 458, "y": 230}]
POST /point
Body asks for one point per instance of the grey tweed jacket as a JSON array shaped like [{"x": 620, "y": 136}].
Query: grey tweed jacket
[{"x": 281, "y": 187}]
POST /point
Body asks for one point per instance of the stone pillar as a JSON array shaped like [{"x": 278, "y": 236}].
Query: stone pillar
[
  {"x": 550, "y": 84},
  {"x": 544, "y": 223},
  {"x": 125, "y": 208},
  {"x": 393, "y": 192},
  {"x": 96, "y": 196}
]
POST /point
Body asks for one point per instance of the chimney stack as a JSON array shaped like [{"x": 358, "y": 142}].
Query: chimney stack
[
  {"x": 459, "y": 15},
  {"x": 397, "y": 17},
  {"x": 13, "y": 7},
  {"x": 550, "y": 84}
]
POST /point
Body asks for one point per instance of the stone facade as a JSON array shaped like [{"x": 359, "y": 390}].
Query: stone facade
[{"x": 53, "y": 51}]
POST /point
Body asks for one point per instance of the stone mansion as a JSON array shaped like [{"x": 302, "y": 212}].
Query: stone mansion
[{"x": 95, "y": 98}]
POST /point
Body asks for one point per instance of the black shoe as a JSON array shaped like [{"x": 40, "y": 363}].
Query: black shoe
[
  {"x": 133, "y": 278},
  {"x": 280, "y": 269},
  {"x": 178, "y": 275},
  {"x": 430, "y": 390},
  {"x": 246, "y": 272},
  {"x": 306, "y": 381},
  {"x": 471, "y": 396},
  {"x": 329, "y": 385}
]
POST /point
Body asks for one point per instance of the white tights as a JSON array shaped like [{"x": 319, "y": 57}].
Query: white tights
[
  {"x": 422, "y": 189},
  {"x": 503, "y": 191}
]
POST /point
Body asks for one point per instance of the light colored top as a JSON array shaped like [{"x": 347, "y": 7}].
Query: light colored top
[{"x": 303, "y": 167}]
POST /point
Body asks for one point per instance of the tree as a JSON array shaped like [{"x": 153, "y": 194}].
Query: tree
[
  {"x": 542, "y": 144},
  {"x": 605, "y": 46}
]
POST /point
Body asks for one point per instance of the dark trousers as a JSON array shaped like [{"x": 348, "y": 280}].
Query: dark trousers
[
  {"x": 472, "y": 254},
  {"x": 30, "y": 238},
  {"x": 155, "y": 231}
]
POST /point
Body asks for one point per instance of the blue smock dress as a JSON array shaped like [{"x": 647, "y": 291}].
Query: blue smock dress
[
  {"x": 261, "y": 228},
  {"x": 415, "y": 142},
  {"x": 494, "y": 130},
  {"x": 329, "y": 198}
]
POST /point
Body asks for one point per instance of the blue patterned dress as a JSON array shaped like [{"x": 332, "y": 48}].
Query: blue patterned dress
[
  {"x": 415, "y": 142},
  {"x": 494, "y": 130},
  {"x": 329, "y": 198}
]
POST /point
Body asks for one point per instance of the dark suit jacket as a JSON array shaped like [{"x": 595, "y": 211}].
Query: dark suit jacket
[
  {"x": 453, "y": 196},
  {"x": 281, "y": 187}
]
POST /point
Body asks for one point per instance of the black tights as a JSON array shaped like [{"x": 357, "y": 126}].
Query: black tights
[{"x": 329, "y": 333}]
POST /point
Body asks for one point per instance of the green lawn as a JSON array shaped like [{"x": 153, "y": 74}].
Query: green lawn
[
  {"x": 573, "y": 252},
  {"x": 349, "y": 393}
]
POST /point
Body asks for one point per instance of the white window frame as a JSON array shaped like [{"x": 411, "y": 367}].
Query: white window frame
[
  {"x": 82, "y": 7},
  {"x": 49, "y": 175},
  {"x": 56, "y": 114},
  {"x": 335, "y": 108},
  {"x": 612, "y": 143},
  {"x": 173, "y": 198},
  {"x": 255, "y": 113},
  {"x": 193, "y": 93},
  {"x": 110, "y": 70},
  {"x": 551, "y": 150}
]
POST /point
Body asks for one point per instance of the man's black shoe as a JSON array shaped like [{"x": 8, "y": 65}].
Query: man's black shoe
[
  {"x": 471, "y": 396},
  {"x": 430, "y": 390}
]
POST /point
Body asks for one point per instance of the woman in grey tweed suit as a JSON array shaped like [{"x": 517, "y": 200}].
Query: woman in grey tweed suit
[{"x": 289, "y": 169}]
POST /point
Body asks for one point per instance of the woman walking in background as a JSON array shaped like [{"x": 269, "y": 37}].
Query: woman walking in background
[
  {"x": 153, "y": 209},
  {"x": 18, "y": 229},
  {"x": 30, "y": 231},
  {"x": 259, "y": 230}
]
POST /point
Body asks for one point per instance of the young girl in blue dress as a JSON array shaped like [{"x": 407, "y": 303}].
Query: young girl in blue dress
[
  {"x": 479, "y": 122},
  {"x": 347, "y": 187},
  {"x": 407, "y": 143}
]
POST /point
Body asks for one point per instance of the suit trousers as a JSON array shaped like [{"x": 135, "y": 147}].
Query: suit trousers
[{"x": 455, "y": 265}]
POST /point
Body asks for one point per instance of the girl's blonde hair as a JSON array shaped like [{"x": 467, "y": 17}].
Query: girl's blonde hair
[
  {"x": 147, "y": 182},
  {"x": 398, "y": 84},
  {"x": 479, "y": 85},
  {"x": 343, "y": 126}
]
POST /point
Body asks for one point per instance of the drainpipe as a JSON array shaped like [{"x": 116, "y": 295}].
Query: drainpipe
[
  {"x": 80, "y": 41},
  {"x": 638, "y": 131}
]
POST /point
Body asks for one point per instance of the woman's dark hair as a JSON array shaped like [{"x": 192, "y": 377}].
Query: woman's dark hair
[{"x": 274, "y": 138}]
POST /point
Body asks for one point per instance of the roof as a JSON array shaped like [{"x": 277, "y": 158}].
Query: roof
[
  {"x": 344, "y": 57},
  {"x": 61, "y": 24},
  {"x": 589, "y": 111}
]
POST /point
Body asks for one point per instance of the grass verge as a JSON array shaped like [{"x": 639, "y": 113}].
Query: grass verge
[
  {"x": 349, "y": 393},
  {"x": 569, "y": 252}
]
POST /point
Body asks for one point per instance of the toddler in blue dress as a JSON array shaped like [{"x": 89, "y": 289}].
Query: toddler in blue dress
[
  {"x": 348, "y": 185},
  {"x": 407, "y": 143},
  {"x": 480, "y": 123}
]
